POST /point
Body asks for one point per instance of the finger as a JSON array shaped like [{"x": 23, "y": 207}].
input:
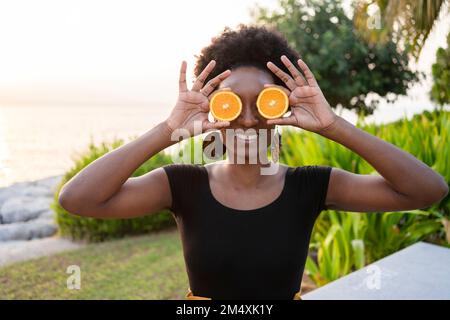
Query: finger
[
  {"x": 268, "y": 85},
  {"x": 182, "y": 82},
  {"x": 213, "y": 83},
  {"x": 215, "y": 125},
  {"x": 282, "y": 75},
  {"x": 283, "y": 121},
  {"x": 198, "y": 84},
  {"x": 298, "y": 78},
  {"x": 308, "y": 74}
]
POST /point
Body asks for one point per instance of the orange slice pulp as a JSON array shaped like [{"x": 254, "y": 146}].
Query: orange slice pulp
[
  {"x": 272, "y": 102},
  {"x": 225, "y": 106}
]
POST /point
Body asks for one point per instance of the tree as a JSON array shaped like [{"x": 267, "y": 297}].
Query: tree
[
  {"x": 408, "y": 20},
  {"x": 346, "y": 67},
  {"x": 440, "y": 91}
]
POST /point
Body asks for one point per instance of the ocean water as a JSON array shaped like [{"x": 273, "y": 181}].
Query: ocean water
[{"x": 41, "y": 141}]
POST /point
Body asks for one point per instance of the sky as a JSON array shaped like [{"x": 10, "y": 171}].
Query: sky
[
  {"x": 108, "y": 51},
  {"x": 117, "y": 52}
]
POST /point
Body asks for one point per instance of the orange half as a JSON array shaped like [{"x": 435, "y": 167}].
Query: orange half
[
  {"x": 272, "y": 102},
  {"x": 225, "y": 106}
]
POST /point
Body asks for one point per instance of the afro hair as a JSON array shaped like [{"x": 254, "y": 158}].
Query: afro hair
[{"x": 246, "y": 46}]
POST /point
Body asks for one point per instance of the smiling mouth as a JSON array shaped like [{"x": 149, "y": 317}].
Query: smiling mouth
[{"x": 246, "y": 137}]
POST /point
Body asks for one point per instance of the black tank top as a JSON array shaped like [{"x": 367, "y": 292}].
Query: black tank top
[{"x": 246, "y": 254}]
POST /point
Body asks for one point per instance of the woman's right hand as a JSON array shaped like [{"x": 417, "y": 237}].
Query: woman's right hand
[{"x": 193, "y": 105}]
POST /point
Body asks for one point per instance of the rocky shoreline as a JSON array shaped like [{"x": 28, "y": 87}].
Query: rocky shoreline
[
  {"x": 25, "y": 212},
  {"x": 27, "y": 224}
]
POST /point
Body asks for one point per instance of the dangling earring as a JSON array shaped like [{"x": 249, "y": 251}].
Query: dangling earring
[{"x": 276, "y": 145}]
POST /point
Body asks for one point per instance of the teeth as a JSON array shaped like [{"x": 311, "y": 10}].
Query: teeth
[{"x": 246, "y": 137}]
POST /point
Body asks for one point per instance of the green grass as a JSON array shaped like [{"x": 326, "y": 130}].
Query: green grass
[{"x": 144, "y": 267}]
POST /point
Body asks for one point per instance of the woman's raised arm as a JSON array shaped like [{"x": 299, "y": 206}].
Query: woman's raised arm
[
  {"x": 104, "y": 188},
  {"x": 404, "y": 183}
]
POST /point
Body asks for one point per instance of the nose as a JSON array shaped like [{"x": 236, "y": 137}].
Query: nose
[{"x": 248, "y": 117}]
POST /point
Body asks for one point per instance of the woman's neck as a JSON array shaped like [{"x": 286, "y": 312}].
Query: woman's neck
[{"x": 247, "y": 175}]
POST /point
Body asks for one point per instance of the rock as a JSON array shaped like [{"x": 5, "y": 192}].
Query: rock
[
  {"x": 23, "y": 208},
  {"x": 48, "y": 214},
  {"x": 16, "y": 231},
  {"x": 7, "y": 193},
  {"x": 42, "y": 228},
  {"x": 25, "y": 212},
  {"x": 40, "y": 188},
  {"x": 38, "y": 228},
  {"x": 36, "y": 191}
]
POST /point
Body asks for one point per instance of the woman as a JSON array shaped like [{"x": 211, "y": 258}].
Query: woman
[{"x": 245, "y": 234}]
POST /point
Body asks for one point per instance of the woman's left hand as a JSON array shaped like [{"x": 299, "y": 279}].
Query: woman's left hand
[{"x": 309, "y": 108}]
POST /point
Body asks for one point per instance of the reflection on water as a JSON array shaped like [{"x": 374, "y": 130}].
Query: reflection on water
[{"x": 40, "y": 141}]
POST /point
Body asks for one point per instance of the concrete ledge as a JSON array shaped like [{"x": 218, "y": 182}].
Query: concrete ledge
[{"x": 421, "y": 271}]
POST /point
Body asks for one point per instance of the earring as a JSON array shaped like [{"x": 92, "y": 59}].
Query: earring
[{"x": 276, "y": 145}]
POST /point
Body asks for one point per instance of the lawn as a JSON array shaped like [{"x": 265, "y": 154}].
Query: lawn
[{"x": 144, "y": 267}]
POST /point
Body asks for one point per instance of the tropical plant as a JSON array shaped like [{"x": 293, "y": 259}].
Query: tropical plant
[
  {"x": 410, "y": 21},
  {"x": 347, "y": 241},
  {"x": 440, "y": 91}
]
